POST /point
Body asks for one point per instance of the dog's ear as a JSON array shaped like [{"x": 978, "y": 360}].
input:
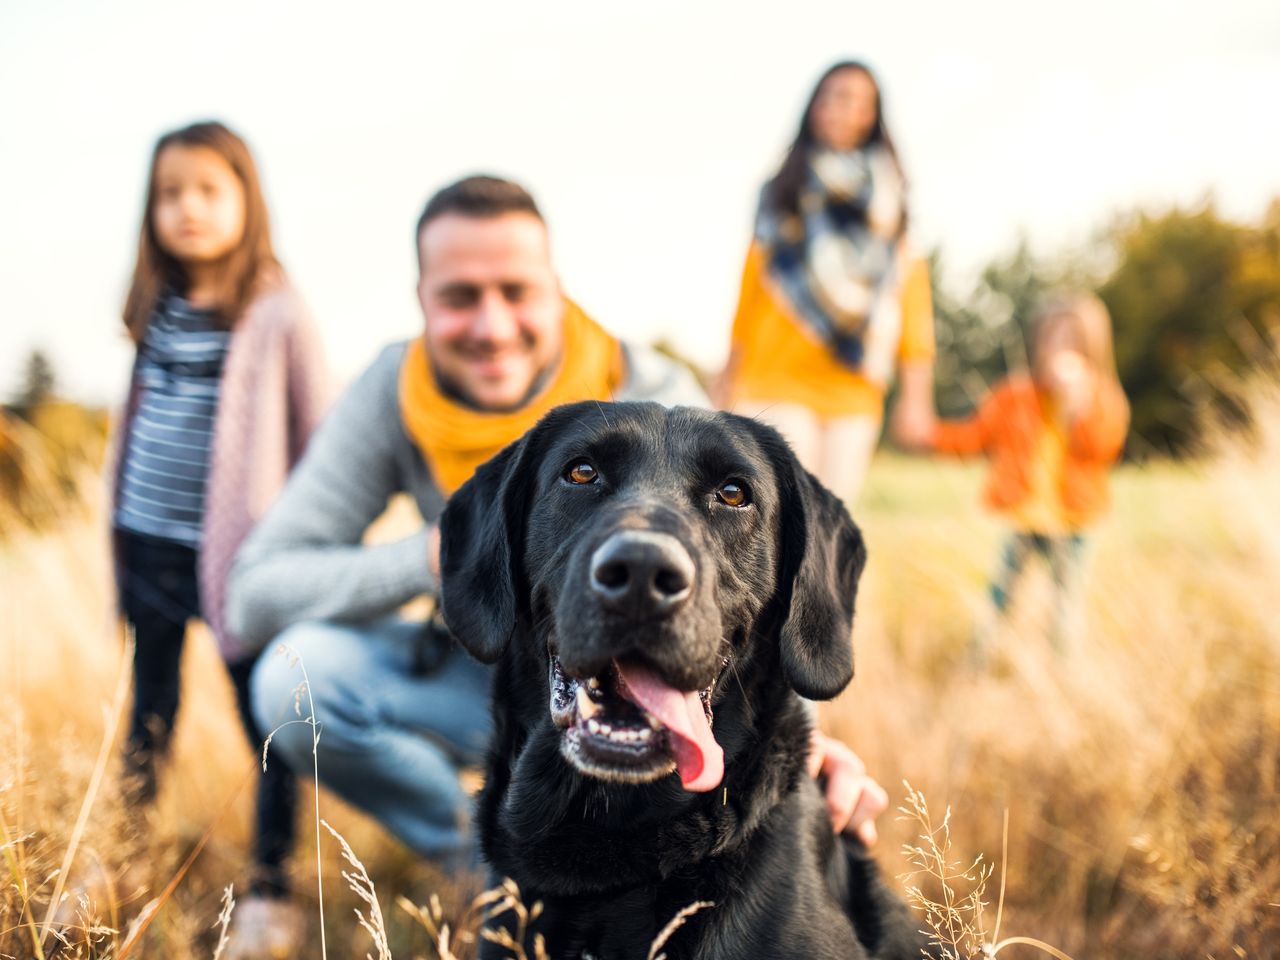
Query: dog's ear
[
  {"x": 822, "y": 559},
  {"x": 480, "y": 555}
]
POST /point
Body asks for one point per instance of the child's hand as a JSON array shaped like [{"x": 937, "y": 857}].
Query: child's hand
[
  {"x": 912, "y": 425},
  {"x": 1071, "y": 382}
]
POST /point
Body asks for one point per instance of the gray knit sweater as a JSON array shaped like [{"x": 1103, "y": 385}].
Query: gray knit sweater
[{"x": 305, "y": 559}]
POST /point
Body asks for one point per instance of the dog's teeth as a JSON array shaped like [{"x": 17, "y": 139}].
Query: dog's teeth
[
  {"x": 653, "y": 723},
  {"x": 593, "y": 726},
  {"x": 645, "y": 733},
  {"x": 593, "y": 683},
  {"x": 586, "y": 706},
  {"x": 606, "y": 729}
]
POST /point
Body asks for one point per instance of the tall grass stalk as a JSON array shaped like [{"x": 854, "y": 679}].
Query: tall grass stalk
[
  {"x": 1140, "y": 770},
  {"x": 284, "y": 650},
  {"x": 111, "y": 717}
]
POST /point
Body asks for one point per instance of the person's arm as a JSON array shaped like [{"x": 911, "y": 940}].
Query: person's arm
[
  {"x": 722, "y": 384},
  {"x": 913, "y": 420},
  {"x": 310, "y": 386},
  {"x": 305, "y": 560},
  {"x": 653, "y": 376},
  {"x": 965, "y": 437},
  {"x": 1098, "y": 433}
]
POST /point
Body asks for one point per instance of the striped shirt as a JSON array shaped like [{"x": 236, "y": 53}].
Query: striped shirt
[{"x": 166, "y": 462}]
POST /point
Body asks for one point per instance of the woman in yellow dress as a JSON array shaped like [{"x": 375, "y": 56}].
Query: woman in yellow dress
[{"x": 832, "y": 300}]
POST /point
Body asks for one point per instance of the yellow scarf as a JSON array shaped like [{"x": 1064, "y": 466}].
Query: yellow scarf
[{"x": 455, "y": 439}]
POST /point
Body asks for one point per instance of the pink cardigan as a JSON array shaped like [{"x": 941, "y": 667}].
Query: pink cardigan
[{"x": 275, "y": 389}]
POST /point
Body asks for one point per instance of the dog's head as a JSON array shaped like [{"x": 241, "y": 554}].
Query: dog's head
[{"x": 639, "y": 555}]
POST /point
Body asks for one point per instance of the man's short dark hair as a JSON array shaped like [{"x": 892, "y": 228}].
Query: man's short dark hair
[{"x": 479, "y": 196}]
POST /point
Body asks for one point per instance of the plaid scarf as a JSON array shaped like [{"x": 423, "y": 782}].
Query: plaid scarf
[{"x": 835, "y": 259}]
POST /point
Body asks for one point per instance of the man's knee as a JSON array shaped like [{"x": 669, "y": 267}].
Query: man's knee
[
  {"x": 316, "y": 672},
  {"x": 279, "y": 691}
]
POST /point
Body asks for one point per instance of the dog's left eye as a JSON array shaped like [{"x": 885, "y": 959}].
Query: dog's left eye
[
  {"x": 582, "y": 472},
  {"x": 733, "y": 493}
]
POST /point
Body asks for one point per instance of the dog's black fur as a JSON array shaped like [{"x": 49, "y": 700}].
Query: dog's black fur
[{"x": 767, "y": 618}]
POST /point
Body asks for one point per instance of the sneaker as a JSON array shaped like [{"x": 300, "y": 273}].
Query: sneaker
[{"x": 264, "y": 928}]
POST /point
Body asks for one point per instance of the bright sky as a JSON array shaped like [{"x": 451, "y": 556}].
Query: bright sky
[{"x": 643, "y": 130}]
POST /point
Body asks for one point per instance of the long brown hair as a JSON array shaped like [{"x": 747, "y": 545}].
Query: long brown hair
[
  {"x": 252, "y": 262},
  {"x": 783, "y": 191}
]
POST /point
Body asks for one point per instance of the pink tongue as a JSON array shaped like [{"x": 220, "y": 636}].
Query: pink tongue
[{"x": 699, "y": 759}]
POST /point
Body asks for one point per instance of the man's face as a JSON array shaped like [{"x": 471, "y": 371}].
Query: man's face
[{"x": 492, "y": 305}]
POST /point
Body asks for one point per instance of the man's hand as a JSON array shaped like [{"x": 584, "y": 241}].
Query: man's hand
[{"x": 854, "y": 800}]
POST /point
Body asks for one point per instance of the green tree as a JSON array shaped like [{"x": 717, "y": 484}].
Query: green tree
[
  {"x": 38, "y": 384},
  {"x": 1192, "y": 297},
  {"x": 1194, "y": 301},
  {"x": 983, "y": 336}
]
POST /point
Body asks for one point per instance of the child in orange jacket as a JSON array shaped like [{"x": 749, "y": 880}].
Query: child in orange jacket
[{"x": 1051, "y": 437}]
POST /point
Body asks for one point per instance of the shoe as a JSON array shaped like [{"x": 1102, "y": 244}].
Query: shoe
[
  {"x": 264, "y": 928},
  {"x": 96, "y": 897}
]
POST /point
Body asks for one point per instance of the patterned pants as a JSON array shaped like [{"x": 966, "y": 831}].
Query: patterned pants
[{"x": 1062, "y": 553}]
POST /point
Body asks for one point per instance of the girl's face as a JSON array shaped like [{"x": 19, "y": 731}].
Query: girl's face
[
  {"x": 1059, "y": 347},
  {"x": 845, "y": 112},
  {"x": 199, "y": 208}
]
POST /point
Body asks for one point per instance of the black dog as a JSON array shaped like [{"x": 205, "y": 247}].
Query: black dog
[{"x": 659, "y": 588}]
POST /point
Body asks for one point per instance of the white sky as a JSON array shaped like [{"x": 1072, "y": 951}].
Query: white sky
[{"x": 643, "y": 134}]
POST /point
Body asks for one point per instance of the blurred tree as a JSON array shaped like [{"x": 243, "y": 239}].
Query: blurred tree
[
  {"x": 1194, "y": 299},
  {"x": 38, "y": 384},
  {"x": 984, "y": 335},
  {"x": 50, "y": 450}
]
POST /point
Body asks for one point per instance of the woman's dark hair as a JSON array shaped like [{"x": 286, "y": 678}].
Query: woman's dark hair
[
  {"x": 783, "y": 191},
  {"x": 252, "y": 260}
]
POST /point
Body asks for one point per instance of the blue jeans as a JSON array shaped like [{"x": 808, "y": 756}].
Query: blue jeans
[{"x": 392, "y": 738}]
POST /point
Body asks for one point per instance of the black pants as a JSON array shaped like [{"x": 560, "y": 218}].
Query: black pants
[{"x": 159, "y": 594}]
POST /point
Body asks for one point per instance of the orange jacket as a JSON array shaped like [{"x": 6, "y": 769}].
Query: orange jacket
[{"x": 1006, "y": 427}]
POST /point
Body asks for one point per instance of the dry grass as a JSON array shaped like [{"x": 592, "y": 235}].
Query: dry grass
[{"x": 1139, "y": 771}]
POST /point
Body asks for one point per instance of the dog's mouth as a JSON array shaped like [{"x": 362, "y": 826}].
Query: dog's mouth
[{"x": 631, "y": 726}]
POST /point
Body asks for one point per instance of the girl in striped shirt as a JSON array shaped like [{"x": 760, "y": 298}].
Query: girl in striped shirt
[{"x": 228, "y": 383}]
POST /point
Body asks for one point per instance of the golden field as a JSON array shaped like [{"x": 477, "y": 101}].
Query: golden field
[{"x": 1138, "y": 770}]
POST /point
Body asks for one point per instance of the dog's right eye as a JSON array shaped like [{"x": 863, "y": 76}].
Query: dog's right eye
[
  {"x": 733, "y": 493},
  {"x": 582, "y": 472}
]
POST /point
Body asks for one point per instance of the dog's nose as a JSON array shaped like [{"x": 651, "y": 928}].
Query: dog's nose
[{"x": 642, "y": 573}]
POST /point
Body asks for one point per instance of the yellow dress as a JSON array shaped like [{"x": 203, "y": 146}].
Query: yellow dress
[{"x": 776, "y": 358}]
